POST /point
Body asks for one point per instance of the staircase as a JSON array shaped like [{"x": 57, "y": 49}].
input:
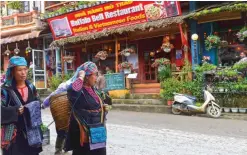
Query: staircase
[{"x": 149, "y": 88}]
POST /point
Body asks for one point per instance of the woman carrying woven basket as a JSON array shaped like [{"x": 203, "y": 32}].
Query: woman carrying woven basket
[{"x": 87, "y": 131}]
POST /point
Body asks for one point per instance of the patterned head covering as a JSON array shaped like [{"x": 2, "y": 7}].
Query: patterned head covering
[
  {"x": 14, "y": 61},
  {"x": 89, "y": 68}
]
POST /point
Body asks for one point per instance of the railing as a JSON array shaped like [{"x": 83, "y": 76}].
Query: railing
[
  {"x": 17, "y": 19},
  {"x": 25, "y": 19},
  {"x": 52, "y": 7},
  {"x": 8, "y": 22}
]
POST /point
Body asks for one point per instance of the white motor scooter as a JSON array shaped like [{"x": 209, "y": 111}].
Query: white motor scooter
[{"x": 186, "y": 104}]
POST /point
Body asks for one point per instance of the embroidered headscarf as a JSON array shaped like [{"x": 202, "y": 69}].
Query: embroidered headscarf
[
  {"x": 14, "y": 61},
  {"x": 89, "y": 68}
]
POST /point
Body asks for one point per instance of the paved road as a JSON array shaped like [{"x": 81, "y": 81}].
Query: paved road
[{"x": 132, "y": 133}]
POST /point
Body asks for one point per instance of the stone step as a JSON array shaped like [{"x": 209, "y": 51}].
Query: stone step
[
  {"x": 143, "y": 108},
  {"x": 142, "y": 96},
  {"x": 139, "y": 101}
]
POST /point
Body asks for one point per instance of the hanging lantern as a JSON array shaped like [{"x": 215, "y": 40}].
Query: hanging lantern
[
  {"x": 7, "y": 52},
  {"x": 28, "y": 49},
  {"x": 16, "y": 50}
]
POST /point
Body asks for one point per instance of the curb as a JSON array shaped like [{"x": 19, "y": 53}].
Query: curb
[{"x": 167, "y": 110}]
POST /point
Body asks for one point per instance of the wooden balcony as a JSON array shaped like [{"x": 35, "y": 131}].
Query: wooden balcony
[{"x": 20, "y": 23}]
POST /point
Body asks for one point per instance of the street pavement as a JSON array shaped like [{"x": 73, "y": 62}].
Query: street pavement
[{"x": 133, "y": 133}]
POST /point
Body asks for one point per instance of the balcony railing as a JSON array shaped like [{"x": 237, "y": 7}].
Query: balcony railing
[{"x": 19, "y": 19}]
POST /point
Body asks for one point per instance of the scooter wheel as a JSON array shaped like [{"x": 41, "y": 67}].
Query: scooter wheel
[
  {"x": 176, "y": 111},
  {"x": 214, "y": 112}
]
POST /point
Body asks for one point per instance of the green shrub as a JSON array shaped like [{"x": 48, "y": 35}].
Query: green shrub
[
  {"x": 205, "y": 67},
  {"x": 165, "y": 72},
  {"x": 55, "y": 81},
  {"x": 170, "y": 86},
  {"x": 15, "y": 5}
]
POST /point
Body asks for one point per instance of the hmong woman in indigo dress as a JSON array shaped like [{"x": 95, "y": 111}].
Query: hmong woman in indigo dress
[
  {"x": 87, "y": 108},
  {"x": 18, "y": 131}
]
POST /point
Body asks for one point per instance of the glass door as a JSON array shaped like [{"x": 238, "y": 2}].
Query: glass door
[
  {"x": 39, "y": 69},
  {"x": 150, "y": 74}
]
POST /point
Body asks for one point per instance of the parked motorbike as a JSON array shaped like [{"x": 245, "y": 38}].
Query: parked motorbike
[{"x": 187, "y": 104}]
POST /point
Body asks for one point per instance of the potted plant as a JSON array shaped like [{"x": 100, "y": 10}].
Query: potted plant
[
  {"x": 80, "y": 4},
  {"x": 127, "y": 51},
  {"x": 242, "y": 107},
  {"x": 167, "y": 47},
  {"x": 160, "y": 63},
  {"x": 68, "y": 58},
  {"x": 126, "y": 67},
  {"x": 170, "y": 86},
  {"x": 15, "y": 6},
  {"x": 212, "y": 41},
  {"x": 242, "y": 34},
  {"x": 46, "y": 134}
]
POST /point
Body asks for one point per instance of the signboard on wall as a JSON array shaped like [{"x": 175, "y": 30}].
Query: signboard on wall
[{"x": 111, "y": 15}]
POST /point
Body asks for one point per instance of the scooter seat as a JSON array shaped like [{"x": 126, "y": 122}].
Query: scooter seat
[{"x": 191, "y": 97}]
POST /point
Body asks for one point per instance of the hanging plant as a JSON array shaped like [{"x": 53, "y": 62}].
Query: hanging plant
[
  {"x": 16, "y": 50},
  {"x": 125, "y": 65},
  {"x": 102, "y": 55},
  {"x": 160, "y": 62},
  {"x": 242, "y": 34},
  {"x": 212, "y": 41},
  {"x": 127, "y": 51},
  {"x": 7, "y": 52},
  {"x": 68, "y": 59},
  {"x": 166, "y": 45}
]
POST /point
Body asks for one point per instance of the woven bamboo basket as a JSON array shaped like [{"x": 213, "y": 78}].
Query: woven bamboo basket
[{"x": 60, "y": 110}]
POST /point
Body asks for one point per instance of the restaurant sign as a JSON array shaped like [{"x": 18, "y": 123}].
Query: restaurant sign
[{"x": 111, "y": 15}]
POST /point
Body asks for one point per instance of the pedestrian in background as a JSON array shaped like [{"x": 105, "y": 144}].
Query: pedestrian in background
[{"x": 100, "y": 84}]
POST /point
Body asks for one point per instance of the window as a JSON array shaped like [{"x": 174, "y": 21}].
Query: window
[
  {"x": 37, "y": 4},
  {"x": 26, "y": 7}
]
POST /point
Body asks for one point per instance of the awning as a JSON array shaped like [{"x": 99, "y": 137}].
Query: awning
[{"x": 26, "y": 36}]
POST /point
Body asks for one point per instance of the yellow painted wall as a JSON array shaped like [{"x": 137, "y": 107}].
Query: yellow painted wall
[{"x": 118, "y": 93}]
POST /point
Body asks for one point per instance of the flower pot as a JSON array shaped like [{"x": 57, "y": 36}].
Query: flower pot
[
  {"x": 234, "y": 110},
  {"x": 167, "y": 50},
  {"x": 80, "y": 6},
  {"x": 15, "y": 11},
  {"x": 127, "y": 71},
  {"x": 127, "y": 54},
  {"x": 242, "y": 110},
  {"x": 169, "y": 102},
  {"x": 226, "y": 109},
  {"x": 46, "y": 136}
]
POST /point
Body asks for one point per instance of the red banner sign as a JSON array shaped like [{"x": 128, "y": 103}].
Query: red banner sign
[{"x": 111, "y": 15}]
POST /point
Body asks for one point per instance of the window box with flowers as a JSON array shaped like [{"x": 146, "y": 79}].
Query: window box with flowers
[
  {"x": 126, "y": 67},
  {"x": 212, "y": 41},
  {"x": 127, "y": 51}
]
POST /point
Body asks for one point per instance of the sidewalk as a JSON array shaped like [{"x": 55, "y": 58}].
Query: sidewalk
[{"x": 167, "y": 110}]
